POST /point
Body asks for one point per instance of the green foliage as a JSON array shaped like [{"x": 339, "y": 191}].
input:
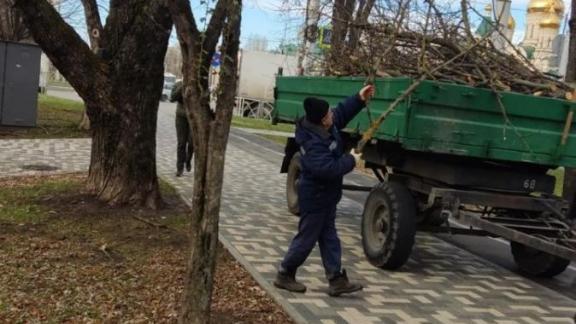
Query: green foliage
[{"x": 261, "y": 124}]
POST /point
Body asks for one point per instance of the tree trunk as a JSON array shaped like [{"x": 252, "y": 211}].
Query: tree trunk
[
  {"x": 211, "y": 131},
  {"x": 197, "y": 295},
  {"x": 364, "y": 9},
  {"x": 338, "y": 35},
  {"x": 571, "y": 68},
  {"x": 200, "y": 268},
  {"x": 95, "y": 28},
  {"x": 121, "y": 88},
  {"x": 85, "y": 122},
  {"x": 346, "y": 33},
  {"x": 123, "y": 157},
  {"x": 11, "y": 25},
  {"x": 569, "y": 192}
]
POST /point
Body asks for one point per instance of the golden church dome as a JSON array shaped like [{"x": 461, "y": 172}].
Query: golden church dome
[
  {"x": 511, "y": 22},
  {"x": 546, "y": 5},
  {"x": 552, "y": 21}
]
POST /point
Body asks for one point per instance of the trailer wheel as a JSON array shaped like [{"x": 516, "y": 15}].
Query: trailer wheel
[
  {"x": 292, "y": 181},
  {"x": 536, "y": 263},
  {"x": 389, "y": 225}
]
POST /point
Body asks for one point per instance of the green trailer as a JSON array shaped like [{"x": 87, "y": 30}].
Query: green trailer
[{"x": 451, "y": 156}]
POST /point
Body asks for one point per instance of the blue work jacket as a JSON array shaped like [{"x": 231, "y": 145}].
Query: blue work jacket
[{"x": 323, "y": 159}]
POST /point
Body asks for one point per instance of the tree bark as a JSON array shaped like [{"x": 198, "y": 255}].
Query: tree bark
[
  {"x": 342, "y": 26},
  {"x": 364, "y": 9},
  {"x": 211, "y": 131},
  {"x": 11, "y": 25},
  {"x": 94, "y": 27},
  {"x": 339, "y": 31},
  {"x": 93, "y": 23},
  {"x": 85, "y": 121},
  {"x": 121, "y": 88},
  {"x": 569, "y": 192}
]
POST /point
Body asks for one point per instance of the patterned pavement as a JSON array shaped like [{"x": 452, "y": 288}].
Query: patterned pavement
[{"x": 440, "y": 283}]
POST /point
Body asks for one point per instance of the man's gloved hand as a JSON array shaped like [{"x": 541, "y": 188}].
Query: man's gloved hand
[{"x": 366, "y": 93}]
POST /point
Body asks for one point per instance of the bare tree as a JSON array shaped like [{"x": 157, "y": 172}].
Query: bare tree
[
  {"x": 345, "y": 23},
  {"x": 95, "y": 28},
  {"x": 211, "y": 129},
  {"x": 121, "y": 87}
]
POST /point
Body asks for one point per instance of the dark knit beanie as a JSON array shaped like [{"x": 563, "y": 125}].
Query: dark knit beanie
[{"x": 315, "y": 109}]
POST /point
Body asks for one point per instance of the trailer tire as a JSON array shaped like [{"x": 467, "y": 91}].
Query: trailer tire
[
  {"x": 389, "y": 225},
  {"x": 537, "y": 263},
  {"x": 292, "y": 180}
]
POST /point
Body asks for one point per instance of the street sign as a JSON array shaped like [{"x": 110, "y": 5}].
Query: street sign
[
  {"x": 216, "y": 60},
  {"x": 325, "y": 38}
]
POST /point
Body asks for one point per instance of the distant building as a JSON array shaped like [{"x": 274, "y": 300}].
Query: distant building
[
  {"x": 257, "y": 43},
  {"x": 542, "y": 45},
  {"x": 542, "y": 42},
  {"x": 488, "y": 23},
  {"x": 173, "y": 61}
]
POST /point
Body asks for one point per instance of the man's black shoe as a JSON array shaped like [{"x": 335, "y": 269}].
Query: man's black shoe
[
  {"x": 288, "y": 282},
  {"x": 340, "y": 285}
]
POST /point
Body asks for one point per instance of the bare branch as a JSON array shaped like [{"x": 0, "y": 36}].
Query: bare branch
[
  {"x": 230, "y": 46},
  {"x": 93, "y": 22},
  {"x": 215, "y": 25},
  {"x": 465, "y": 20},
  {"x": 79, "y": 69},
  {"x": 185, "y": 24},
  {"x": 365, "y": 7}
]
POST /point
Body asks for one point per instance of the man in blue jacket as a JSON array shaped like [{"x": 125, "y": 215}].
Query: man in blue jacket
[{"x": 324, "y": 162}]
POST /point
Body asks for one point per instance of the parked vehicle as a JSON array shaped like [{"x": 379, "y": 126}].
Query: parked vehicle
[
  {"x": 452, "y": 159},
  {"x": 44, "y": 71},
  {"x": 257, "y": 72},
  {"x": 169, "y": 80}
]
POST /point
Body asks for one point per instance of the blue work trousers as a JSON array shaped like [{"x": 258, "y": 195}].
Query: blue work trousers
[{"x": 318, "y": 226}]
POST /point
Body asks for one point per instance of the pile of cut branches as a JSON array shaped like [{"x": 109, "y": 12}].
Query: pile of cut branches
[{"x": 394, "y": 49}]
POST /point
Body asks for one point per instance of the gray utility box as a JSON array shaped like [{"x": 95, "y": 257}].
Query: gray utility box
[{"x": 19, "y": 77}]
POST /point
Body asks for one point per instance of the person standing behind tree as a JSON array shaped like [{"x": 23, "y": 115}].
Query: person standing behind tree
[{"x": 185, "y": 148}]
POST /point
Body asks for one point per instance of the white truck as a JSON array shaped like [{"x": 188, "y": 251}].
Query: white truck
[
  {"x": 169, "y": 80},
  {"x": 257, "y": 72},
  {"x": 44, "y": 72}
]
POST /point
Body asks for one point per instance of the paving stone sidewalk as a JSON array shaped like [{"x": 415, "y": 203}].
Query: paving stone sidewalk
[{"x": 440, "y": 283}]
